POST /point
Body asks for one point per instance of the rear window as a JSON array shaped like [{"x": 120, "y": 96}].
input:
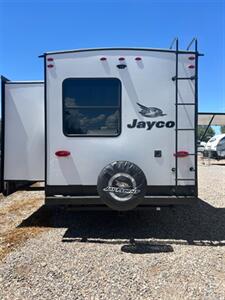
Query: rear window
[{"x": 91, "y": 106}]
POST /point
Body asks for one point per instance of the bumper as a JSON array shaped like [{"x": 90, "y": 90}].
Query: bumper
[{"x": 94, "y": 202}]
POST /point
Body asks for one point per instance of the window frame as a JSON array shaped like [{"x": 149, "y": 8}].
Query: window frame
[{"x": 86, "y": 107}]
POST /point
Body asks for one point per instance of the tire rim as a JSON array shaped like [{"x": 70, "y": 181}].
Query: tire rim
[{"x": 122, "y": 187}]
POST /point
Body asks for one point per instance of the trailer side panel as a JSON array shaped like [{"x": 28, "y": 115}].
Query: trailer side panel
[{"x": 24, "y": 131}]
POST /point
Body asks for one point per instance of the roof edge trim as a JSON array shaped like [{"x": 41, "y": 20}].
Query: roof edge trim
[{"x": 121, "y": 48}]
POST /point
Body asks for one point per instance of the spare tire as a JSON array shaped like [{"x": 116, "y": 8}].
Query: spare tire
[{"x": 121, "y": 185}]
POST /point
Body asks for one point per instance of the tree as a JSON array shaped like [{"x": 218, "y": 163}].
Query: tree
[
  {"x": 222, "y": 129},
  {"x": 201, "y": 131}
]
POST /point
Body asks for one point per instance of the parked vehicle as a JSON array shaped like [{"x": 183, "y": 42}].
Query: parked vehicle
[
  {"x": 118, "y": 127},
  {"x": 215, "y": 147},
  {"x": 201, "y": 146}
]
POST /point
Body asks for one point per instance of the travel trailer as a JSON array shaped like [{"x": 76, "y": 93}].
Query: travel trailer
[
  {"x": 215, "y": 147},
  {"x": 113, "y": 127}
]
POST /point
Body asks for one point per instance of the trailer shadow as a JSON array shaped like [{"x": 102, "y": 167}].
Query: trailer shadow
[{"x": 145, "y": 231}]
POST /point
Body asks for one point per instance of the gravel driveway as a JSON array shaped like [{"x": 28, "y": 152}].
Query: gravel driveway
[{"x": 172, "y": 254}]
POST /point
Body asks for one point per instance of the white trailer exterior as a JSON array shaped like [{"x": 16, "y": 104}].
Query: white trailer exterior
[
  {"x": 154, "y": 111},
  {"x": 109, "y": 126},
  {"x": 23, "y": 133}
]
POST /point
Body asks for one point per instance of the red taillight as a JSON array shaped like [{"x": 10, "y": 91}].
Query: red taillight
[
  {"x": 62, "y": 153},
  {"x": 103, "y": 58},
  {"x": 50, "y": 59},
  {"x": 50, "y": 66},
  {"x": 191, "y": 66},
  {"x": 191, "y": 57},
  {"x": 181, "y": 154},
  {"x": 138, "y": 58},
  {"x": 121, "y": 58}
]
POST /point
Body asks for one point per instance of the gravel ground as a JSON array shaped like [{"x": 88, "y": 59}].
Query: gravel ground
[{"x": 173, "y": 254}]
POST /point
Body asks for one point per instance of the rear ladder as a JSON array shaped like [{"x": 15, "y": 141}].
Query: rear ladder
[{"x": 176, "y": 78}]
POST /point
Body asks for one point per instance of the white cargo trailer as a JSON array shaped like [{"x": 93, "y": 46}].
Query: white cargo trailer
[{"x": 120, "y": 128}]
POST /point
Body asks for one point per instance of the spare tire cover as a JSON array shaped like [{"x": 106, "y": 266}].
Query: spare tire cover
[{"x": 121, "y": 185}]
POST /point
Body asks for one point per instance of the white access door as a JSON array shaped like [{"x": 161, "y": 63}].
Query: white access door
[{"x": 23, "y": 131}]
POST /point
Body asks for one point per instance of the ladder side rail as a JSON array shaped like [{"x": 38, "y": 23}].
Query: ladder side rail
[
  {"x": 196, "y": 116},
  {"x": 176, "y": 116}
]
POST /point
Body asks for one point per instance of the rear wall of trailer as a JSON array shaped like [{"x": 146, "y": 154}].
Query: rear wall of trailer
[{"x": 148, "y": 82}]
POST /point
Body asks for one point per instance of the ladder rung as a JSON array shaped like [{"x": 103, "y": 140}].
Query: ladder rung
[
  {"x": 185, "y": 179},
  {"x": 180, "y": 129},
  {"x": 183, "y": 78},
  {"x": 190, "y": 53},
  {"x": 186, "y": 104}
]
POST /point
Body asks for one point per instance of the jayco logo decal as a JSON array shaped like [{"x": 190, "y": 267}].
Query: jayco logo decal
[{"x": 150, "y": 112}]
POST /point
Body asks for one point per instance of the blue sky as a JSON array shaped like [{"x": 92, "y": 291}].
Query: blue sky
[{"x": 29, "y": 28}]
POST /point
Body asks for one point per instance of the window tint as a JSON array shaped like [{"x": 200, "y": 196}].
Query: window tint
[
  {"x": 91, "y": 92},
  {"x": 91, "y": 106}
]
